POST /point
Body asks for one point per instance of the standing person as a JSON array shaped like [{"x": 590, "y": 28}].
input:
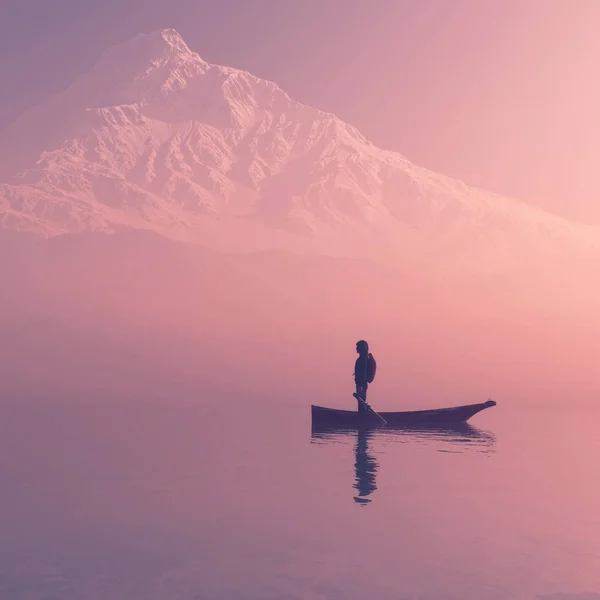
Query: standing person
[{"x": 364, "y": 372}]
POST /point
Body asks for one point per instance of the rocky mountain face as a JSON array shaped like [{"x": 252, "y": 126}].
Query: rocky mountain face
[{"x": 153, "y": 137}]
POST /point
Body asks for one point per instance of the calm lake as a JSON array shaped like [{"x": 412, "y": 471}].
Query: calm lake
[{"x": 237, "y": 499}]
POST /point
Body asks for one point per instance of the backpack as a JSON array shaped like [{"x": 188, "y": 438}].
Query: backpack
[{"x": 371, "y": 368}]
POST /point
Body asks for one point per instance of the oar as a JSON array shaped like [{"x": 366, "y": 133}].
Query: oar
[{"x": 369, "y": 407}]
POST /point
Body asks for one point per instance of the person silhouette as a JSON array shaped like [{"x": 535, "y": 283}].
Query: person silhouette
[{"x": 364, "y": 372}]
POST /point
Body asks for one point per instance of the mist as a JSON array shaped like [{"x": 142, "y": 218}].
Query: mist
[{"x": 135, "y": 315}]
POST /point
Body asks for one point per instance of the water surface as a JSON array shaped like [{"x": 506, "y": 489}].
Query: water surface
[{"x": 233, "y": 499}]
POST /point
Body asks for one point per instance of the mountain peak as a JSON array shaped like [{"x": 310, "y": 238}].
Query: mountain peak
[
  {"x": 149, "y": 47},
  {"x": 132, "y": 71},
  {"x": 154, "y": 137},
  {"x": 168, "y": 40}
]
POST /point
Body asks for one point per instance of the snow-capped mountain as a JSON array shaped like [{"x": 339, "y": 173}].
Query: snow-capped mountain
[{"x": 154, "y": 137}]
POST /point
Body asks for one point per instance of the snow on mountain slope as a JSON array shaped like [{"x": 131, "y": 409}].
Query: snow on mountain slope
[{"x": 154, "y": 137}]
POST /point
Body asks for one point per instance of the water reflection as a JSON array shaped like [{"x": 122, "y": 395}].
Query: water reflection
[
  {"x": 365, "y": 467},
  {"x": 455, "y": 438}
]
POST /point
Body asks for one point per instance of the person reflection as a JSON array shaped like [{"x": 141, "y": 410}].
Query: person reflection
[{"x": 365, "y": 467}]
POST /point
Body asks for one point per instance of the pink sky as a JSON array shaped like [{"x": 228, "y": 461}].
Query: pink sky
[
  {"x": 499, "y": 72},
  {"x": 509, "y": 90},
  {"x": 501, "y": 93}
]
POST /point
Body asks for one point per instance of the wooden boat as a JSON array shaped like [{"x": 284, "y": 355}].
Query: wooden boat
[{"x": 333, "y": 417}]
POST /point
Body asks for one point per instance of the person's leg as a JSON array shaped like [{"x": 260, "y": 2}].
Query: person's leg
[{"x": 361, "y": 390}]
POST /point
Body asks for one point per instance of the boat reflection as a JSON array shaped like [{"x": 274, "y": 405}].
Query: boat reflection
[{"x": 454, "y": 438}]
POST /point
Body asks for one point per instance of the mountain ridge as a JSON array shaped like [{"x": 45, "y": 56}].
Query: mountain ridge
[{"x": 155, "y": 137}]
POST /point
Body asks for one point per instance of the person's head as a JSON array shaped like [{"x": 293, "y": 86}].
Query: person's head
[{"x": 362, "y": 347}]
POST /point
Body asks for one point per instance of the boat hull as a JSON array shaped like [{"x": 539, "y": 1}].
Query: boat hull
[{"x": 333, "y": 417}]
